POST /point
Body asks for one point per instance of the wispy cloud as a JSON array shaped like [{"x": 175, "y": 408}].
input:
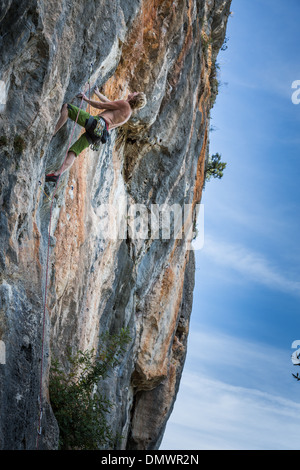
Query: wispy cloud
[
  {"x": 218, "y": 416},
  {"x": 220, "y": 407},
  {"x": 253, "y": 266}
]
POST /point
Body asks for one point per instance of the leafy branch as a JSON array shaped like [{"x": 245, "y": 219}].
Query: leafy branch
[{"x": 79, "y": 406}]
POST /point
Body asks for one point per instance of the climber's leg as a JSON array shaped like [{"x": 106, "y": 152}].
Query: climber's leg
[
  {"x": 63, "y": 118},
  {"x": 73, "y": 114},
  {"x": 67, "y": 163},
  {"x": 80, "y": 144},
  {"x": 71, "y": 111}
]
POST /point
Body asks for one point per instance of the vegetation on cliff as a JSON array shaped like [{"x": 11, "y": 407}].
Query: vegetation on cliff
[
  {"x": 214, "y": 167},
  {"x": 79, "y": 406}
]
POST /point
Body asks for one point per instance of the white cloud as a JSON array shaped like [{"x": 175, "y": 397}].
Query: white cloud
[
  {"x": 253, "y": 266},
  {"x": 235, "y": 398},
  {"x": 213, "y": 350},
  {"x": 218, "y": 416}
]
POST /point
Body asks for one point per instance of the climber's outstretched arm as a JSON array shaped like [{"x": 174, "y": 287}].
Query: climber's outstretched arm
[
  {"x": 112, "y": 105},
  {"x": 100, "y": 96}
]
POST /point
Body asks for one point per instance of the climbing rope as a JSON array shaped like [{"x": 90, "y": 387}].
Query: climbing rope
[
  {"x": 39, "y": 429},
  {"x": 91, "y": 70}
]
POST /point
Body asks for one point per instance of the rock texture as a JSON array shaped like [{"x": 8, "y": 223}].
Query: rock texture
[{"x": 168, "y": 50}]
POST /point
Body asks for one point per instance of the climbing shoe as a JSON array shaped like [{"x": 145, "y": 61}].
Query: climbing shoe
[{"x": 51, "y": 177}]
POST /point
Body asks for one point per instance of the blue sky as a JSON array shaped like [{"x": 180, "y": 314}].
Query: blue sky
[{"x": 237, "y": 391}]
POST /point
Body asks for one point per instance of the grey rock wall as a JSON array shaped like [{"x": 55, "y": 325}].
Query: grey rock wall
[{"x": 166, "y": 49}]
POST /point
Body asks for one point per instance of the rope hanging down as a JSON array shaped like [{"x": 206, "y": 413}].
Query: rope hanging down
[
  {"x": 39, "y": 429},
  {"x": 91, "y": 70}
]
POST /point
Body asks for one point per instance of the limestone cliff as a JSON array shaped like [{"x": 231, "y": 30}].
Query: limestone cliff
[{"x": 168, "y": 50}]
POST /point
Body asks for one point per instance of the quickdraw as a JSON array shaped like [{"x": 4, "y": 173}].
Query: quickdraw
[
  {"x": 50, "y": 199},
  {"x": 98, "y": 131}
]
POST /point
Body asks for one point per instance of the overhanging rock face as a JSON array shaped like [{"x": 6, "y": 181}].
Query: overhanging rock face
[{"x": 168, "y": 50}]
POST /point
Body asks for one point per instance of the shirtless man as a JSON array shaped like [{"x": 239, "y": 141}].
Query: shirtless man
[{"x": 114, "y": 114}]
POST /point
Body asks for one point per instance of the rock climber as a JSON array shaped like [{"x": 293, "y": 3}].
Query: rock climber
[{"x": 114, "y": 114}]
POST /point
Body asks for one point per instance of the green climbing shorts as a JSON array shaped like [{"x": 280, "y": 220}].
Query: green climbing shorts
[{"x": 82, "y": 143}]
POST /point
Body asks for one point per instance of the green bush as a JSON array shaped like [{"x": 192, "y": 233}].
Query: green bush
[
  {"x": 3, "y": 141},
  {"x": 79, "y": 407},
  {"x": 19, "y": 144}
]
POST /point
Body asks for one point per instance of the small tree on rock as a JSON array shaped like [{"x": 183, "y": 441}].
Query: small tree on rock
[{"x": 214, "y": 167}]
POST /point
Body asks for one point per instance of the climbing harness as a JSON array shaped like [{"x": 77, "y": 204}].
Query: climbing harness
[
  {"x": 39, "y": 428},
  {"x": 100, "y": 128},
  {"x": 96, "y": 132},
  {"x": 102, "y": 134},
  {"x": 96, "y": 127}
]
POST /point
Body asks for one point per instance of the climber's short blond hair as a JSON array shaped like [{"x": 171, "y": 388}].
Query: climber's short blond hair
[{"x": 138, "y": 101}]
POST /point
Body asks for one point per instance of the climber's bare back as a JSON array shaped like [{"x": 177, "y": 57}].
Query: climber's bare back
[{"x": 119, "y": 113}]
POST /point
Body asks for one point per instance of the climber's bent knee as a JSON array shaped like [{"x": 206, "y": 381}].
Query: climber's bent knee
[
  {"x": 73, "y": 112},
  {"x": 81, "y": 144}
]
